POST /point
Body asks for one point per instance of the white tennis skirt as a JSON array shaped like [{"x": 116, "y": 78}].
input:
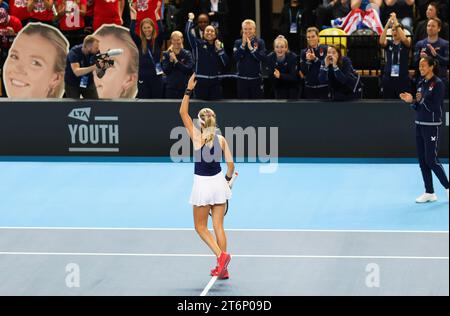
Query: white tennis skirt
[{"x": 210, "y": 190}]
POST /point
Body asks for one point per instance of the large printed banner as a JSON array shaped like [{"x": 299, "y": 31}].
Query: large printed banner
[{"x": 37, "y": 62}]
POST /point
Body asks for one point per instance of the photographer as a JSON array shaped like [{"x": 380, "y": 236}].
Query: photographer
[{"x": 80, "y": 67}]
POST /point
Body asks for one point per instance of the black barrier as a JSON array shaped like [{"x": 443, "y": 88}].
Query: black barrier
[{"x": 364, "y": 129}]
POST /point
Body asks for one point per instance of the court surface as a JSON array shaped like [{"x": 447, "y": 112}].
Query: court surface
[{"x": 340, "y": 228}]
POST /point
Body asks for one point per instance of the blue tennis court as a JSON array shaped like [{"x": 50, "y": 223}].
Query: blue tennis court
[{"x": 309, "y": 228}]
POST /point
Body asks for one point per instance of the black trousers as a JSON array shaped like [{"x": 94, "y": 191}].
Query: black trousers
[
  {"x": 427, "y": 138},
  {"x": 393, "y": 86},
  {"x": 73, "y": 92},
  {"x": 208, "y": 89},
  {"x": 250, "y": 89},
  {"x": 150, "y": 87}
]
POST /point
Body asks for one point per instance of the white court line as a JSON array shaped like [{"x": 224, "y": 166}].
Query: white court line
[
  {"x": 209, "y": 286},
  {"x": 94, "y": 254},
  {"x": 231, "y": 230}
]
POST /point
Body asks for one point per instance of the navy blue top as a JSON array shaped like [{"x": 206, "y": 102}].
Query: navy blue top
[
  {"x": 429, "y": 108},
  {"x": 287, "y": 68},
  {"x": 149, "y": 59},
  {"x": 207, "y": 160},
  {"x": 343, "y": 82},
  {"x": 76, "y": 56},
  {"x": 441, "y": 47},
  {"x": 397, "y": 54},
  {"x": 177, "y": 73},
  {"x": 311, "y": 69},
  {"x": 209, "y": 62},
  {"x": 249, "y": 62}
]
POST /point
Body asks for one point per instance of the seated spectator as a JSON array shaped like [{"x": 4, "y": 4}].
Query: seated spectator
[
  {"x": 40, "y": 11},
  {"x": 177, "y": 64},
  {"x": 420, "y": 32},
  {"x": 334, "y": 9},
  {"x": 70, "y": 15},
  {"x": 435, "y": 47},
  {"x": 107, "y": 12},
  {"x": 249, "y": 53},
  {"x": 396, "y": 72},
  {"x": 210, "y": 61},
  {"x": 9, "y": 24},
  {"x": 311, "y": 59},
  {"x": 291, "y": 24},
  {"x": 337, "y": 71},
  {"x": 402, "y": 8},
  {"x": 282, "y": 66}
]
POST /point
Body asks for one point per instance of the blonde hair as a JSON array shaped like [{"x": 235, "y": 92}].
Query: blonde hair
[
  {"x": 174, "y": 34},
  {"x": 249, "y": 22},
  {"x": 281, "y": 38},
  {"x": 123, "y": 35},
  {"x": 209, "y": 124},
  {"x": 61, "y": 45},
  {"x": 313, "y": 29},
  {"x": 142, "y": 36}
]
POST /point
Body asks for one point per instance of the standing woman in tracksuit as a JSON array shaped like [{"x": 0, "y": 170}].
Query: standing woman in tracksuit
[
  {"x": 282, "y": 65},
  {"x": 428, "y": 104},
  {"x": 177, "y": 64},
  {"x": 249, "y": 54},
  {"x": 311, "y": 59},
  {"x": 149, "y": 45},
  {"x": 210, "y": 61}
]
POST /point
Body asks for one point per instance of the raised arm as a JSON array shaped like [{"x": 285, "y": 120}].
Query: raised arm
[{"x": 184, "y": 109}]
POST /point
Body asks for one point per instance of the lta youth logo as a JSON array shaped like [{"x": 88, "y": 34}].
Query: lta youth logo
[{"x": 94, "y": 134}]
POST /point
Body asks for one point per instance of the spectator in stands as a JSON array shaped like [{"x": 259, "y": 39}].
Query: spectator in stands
[
  {"x": 186, "y": 7},
  {"x": 282, "y": 65},
  {"x": 80, "y": 66},
  {"x": 89, "y": 17},
  {"x": 365, "y": 4},
  {"x": 210, "y": 61},
  {"x": 177, "y": 64},
  {"x": 402, "y": 8},
  {"x": 145, "y": 9},
  {"x": 217, "y": 11},
  {"x": 40, "y": 11},
  {"x": 291, "y": 24},
  {"x": 311, "y": 60},
  {"x": 396, "y": 71},
  {"x": 365, "y": 14},
  {"x": 331, "y": 10},
  {"x": 121, "y": 80},
  {"x": 4, "y": 5},
  {"x": 19, "y": 9},
  {"x": 249, "y": 53},
  {"x": 149, "y": 43},
  {"x": 435, "y": 47},
  {"x": 422, "y": 7},
  {"x": 202, "y": 23},
  {"x": 70, "y": 14},
  {"x": 9, "y": 24},
  {"x": 420, "y": 32},
  {"x": 337, "y": 71},
  {"x": 108, "y": 12},
  {"x": 35, "y": 64}
]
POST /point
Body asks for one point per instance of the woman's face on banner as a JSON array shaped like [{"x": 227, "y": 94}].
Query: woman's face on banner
[
  {"x": 29, "y": 68},
  {"x": 116, "y": 79}
]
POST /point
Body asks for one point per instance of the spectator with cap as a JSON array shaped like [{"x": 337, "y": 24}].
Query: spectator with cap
[{"x": 9, "y": 24}]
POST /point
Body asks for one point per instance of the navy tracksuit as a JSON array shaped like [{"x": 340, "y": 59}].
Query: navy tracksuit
[
  {"x": 343, "y": 83},
  {"x": 250, "y": 83},
  {"x": 149, "y": 83},
  {"x": 287, "y": 86},
  {"x": 311, "y": 69},
  {"x": 428, "y": 120},
  {"x": 209, "y": 66},
  {"x": 177, "y": 73},
  {"x": 442, "y": 50},
  {"x": 396, "y": 71}
]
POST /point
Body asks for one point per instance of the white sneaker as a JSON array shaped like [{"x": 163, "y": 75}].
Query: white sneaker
[{"x": 426, "y": 198}]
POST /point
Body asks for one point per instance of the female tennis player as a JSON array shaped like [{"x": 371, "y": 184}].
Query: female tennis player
[{"x": 211, "y": 188}]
